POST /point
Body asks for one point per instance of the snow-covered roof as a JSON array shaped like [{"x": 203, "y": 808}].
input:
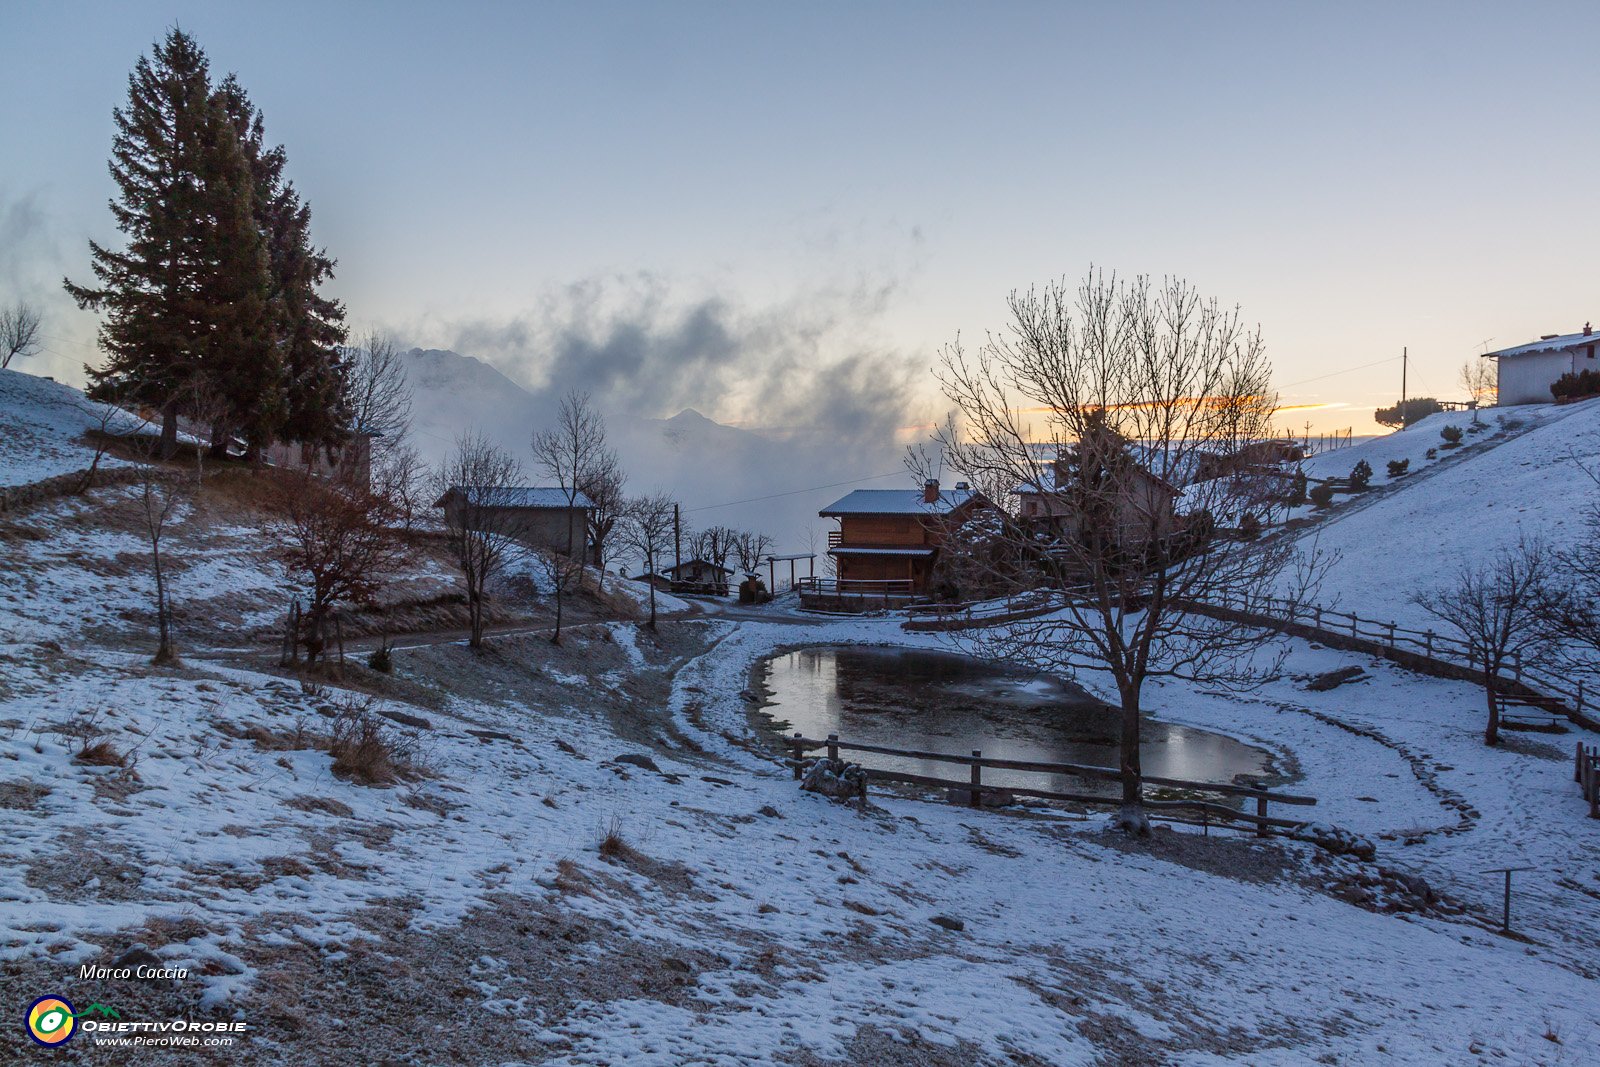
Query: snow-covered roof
[
  {"x": 1547, "y": 344},
  {"x": 896, "y": 502},
  {"x": 521, "y": 496},
  {"x": 845, "y": 550}
]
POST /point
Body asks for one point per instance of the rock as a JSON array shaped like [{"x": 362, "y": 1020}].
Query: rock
[
  {"x": 954, "y": 925},
  {"x": 834, "y": 778},
  {"x": 1334, "y": 679},
  {"x": 637, "y": 759},
  {"x": 769, "y": 811},
  {"x": 137, "y": 956},
  {"x": 416, "y": 722},
  {"x": 563, "y": 746},
  {"x": 672, "y": 963},
  {"x": 491, "y": 735},
  {"x": 714, "y": 781},
  {"x": 1337, "y": 840}
]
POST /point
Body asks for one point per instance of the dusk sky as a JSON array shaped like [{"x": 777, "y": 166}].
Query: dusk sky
[{"x": 878, "y": 176}]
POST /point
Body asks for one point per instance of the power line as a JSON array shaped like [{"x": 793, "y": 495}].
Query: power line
[
  {"x": 1347, "y": 370},
  {"x": 794, "y": 492}
]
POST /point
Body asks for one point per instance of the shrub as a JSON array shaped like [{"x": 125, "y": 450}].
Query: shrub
[
  {"x": 1322, "y": 495},
  {"x": 1433, "y": 453},
  {"x": 1297, "y": 489},
  {"x": 1408, "y": 411},
  {"x": 1572, "y": 386},
  {"x": 1451, "y": 435},
  {"x": 1360, "y": 476},
  {"x": 101, "y": 753},
  {"x": 382, "y": 659},
  {"x": 366, "y": 749},
  {"x": 1249, "y": 526},
  {"x": 1399, "y": 467}
]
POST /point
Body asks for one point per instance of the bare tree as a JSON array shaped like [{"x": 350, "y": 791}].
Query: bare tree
[
  {"x": 1502, "y": 610},
  {"x": 19, "y": 332},
  {"x": 573, "y": 453},
  {"x": 1480, "y": 379},
  {"x": 715, "y": 544},
  {"x": 1102, "y": 400},
  {"x": 162, "y": 493},
  {"x": 475, "y": 487},
  {"x": 338, "y": 542},
  {"x": 646, "y": 528},
  {"x": 749, "y": 547},
  {"x": 603, "y": 486},
  {"x": 379, "y": 392}
]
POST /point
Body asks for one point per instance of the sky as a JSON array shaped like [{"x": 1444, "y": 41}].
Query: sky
[{"x": 822, "y": 185}]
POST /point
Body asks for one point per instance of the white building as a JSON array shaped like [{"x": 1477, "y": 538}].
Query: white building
[{"x": 1527, "y": 372}]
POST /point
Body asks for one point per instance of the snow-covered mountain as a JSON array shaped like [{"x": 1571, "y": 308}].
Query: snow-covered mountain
[{"x": 716, "y": 471}]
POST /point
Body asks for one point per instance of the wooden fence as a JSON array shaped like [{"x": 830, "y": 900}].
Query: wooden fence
[
  {"x": 1424, "y": 643},
  {"x": 965, "y": 616},
  {"x": 974, "y": 788},
  {"x": 855, "y": 595},
  {"x": 1586, "y": 772}
]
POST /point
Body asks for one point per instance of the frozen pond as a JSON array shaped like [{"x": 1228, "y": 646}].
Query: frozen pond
[{"x": 942, "y": 702}]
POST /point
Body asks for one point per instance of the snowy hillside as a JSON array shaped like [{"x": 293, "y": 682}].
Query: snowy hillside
[
  {"x": 42, "y": 427},
  {"x": 1521, "y": 476}
]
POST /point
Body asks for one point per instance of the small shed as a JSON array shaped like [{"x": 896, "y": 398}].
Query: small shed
[{"x": 699, "y": 576}]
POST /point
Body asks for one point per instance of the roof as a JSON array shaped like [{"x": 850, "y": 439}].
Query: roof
[
  {"x": 1547, "y": 344},
  {"x": 897, "y": 502},
  {"x": 535, "y": 497},
  {"x": 686, "y": 564},
  {"x": 846, "y": 550}
]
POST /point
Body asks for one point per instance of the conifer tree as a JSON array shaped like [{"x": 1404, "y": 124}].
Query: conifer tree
[{"x": 154, "y": 326}]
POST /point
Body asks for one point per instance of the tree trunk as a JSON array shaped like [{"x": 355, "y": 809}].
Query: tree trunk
[
  {"x": 561, "y": 580},
  {"x": 652, "y": 601},
  {"x": 164, "y": 653},
  {"x": 169, "y": 429},
  {"x": 1491, "y": 733},
  {"x": 474, "y": 619},
  {"x": 1132, "y": 817}
]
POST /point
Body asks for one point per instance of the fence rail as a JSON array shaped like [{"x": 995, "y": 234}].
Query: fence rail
[
  {"x": 1586, "y": 772},
  {"x": 975, "y": 788},
  {"x": 1424, "y": 642}
]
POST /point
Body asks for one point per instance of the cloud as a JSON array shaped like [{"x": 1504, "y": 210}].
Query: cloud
[{"x": 812, "y": 366}]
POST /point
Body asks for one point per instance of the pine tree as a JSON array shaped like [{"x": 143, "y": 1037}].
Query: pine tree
[
  {"x": 153, "y": 329},
  {"x": 306, "y": 328}
]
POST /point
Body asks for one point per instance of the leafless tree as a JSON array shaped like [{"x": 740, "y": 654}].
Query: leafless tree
[
  {"x": 715, "y": 544},
  {"x": 162, "y": 494},
  {"x": 19, "y": 332},
  {"x": 1502, "y": 610},
  {"x": 400, "y": 476},
  {"x": 603, "y": 486},
  {"x": 749, "y": 547},
  {"x": 379, "y": 392},
  {"x": 573, "y": 452},
  {"x": 1103, "y": 399},
  {"x": 338, "y": 542},
  {"x": 1480, "y": 380},
  {"x": 474, "y": 486},
  {"x": 646, "y": 528}
]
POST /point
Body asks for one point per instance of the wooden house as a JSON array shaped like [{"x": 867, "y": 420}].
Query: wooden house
[
  {"x": 889, "y": 539},
  {"x": 1116, "y": 495},
  {"x": 538, "y": 516}
]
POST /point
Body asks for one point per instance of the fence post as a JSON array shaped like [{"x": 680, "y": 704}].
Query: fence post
[
  {"x": 1516, "y": 664},
  {"x": 833, "y": 747},
  {"x": 975, "y": 795},
  {"x": 1430, "y": 642},
  {"x": 1319, "y": 616},
  {"x": 1577, "y": 765},
  {"x": 1391, "y": 635},
  {"x": 799, "y": 753},
  {"x": 1261, "y": 810},
  {"x": 1355, "y": 625},
  {"x": 1580, "y": 694}
]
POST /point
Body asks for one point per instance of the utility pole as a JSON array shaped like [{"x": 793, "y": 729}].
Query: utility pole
[
  {"x": 1404, "y": 361},
  {"x": 677, "y": 543}
]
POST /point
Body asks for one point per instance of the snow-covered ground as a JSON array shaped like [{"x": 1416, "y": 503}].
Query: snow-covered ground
[
  {"x": 687, "y": 904},
  {"x": 1522, "y": 477},
  {"x": 42, "y": 424}
]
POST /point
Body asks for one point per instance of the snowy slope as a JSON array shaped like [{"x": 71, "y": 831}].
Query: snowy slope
[
  {"x": 42, "y": 424},
  {"x": 1457, "y": 509}
]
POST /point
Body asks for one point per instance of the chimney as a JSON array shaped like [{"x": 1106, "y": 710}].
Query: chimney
[
  {"x": 963, "y": 486},
  {"x": 1587, "y": 330},
  {"x": 930, "y": 491}
]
